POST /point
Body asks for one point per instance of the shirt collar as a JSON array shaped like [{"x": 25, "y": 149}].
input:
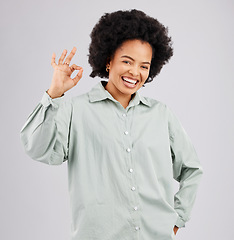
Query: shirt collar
[{"x": 99, "y": 93}]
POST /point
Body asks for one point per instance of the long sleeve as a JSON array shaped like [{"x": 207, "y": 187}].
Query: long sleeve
[
  {"x": 45, "y": 135},
  {"x": 187, "y": 169}
]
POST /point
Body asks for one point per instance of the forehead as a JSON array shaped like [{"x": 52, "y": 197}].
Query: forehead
[{"x": 136, "y": 49}]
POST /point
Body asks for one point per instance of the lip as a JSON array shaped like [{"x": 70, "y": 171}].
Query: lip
[
  {"x": 127, "y": 85},
  {"x": 135, "y": 79}
]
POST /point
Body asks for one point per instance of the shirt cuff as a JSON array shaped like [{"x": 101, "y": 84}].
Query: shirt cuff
[
  {"x": 179, "y": 222},
  {"x": 47, "y": 100}
]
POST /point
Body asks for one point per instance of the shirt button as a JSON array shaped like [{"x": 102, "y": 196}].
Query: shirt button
[
  {"x": 124, "y": 115},
  {"x": 137, "y": 228},
  {"x": 130, "y": 170},
  {"x": 133, "y": 188},
  {"x": 135, "y": 208},
  {"x": 126, "y": 132},
  {"x": 128, "y": 150}
]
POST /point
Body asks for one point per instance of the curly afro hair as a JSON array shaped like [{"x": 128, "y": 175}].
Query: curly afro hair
[{"x": 114, "y": 28}]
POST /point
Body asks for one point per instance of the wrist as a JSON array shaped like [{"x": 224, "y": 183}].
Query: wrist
[{"x": 54, "y": 94}]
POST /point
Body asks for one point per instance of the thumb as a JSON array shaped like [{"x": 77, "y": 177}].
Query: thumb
[{"x": 78, "y": 76}]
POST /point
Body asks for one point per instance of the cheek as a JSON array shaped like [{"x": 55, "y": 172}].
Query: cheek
[
  {"x": 118, "y": 69},
  {"x": 145, "y": 75},
  {"x": 121, "y": 70}
]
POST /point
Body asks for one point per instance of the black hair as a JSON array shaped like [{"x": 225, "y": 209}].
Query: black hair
[{"x": 114, "y": 28}]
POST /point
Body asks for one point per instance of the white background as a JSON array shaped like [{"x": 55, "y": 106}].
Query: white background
[{"x": 197, "y": 84}]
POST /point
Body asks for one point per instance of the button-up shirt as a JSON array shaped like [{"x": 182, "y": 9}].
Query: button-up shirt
[{"x": 121, "y": 163}]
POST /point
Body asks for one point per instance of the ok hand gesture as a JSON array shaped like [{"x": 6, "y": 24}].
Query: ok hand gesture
[{"x": 62, "y": 81}]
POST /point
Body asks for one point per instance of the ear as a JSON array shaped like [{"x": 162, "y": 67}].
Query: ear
[{"x": 108, "y": 61}]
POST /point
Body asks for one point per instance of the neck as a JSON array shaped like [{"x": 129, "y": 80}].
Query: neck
[{"x": 123, "y": 99}]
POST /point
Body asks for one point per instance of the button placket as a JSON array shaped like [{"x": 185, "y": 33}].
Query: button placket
[
  {"x": 137, "y": 228},
  {"x": 130, "y": 170},
  {"x": 128, "y": 150}
]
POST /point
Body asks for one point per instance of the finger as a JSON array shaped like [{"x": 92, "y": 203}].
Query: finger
[
  {"x": 64, "y": 53},
  {"x": 53, "y": 60},
  {"x": 71, "y": 55},
  {"x": 75, "y": 67},
  {"x": 77, "y": 78}
]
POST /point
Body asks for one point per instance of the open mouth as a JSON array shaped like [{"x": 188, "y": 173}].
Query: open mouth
[{"x": 129, "y": 82}]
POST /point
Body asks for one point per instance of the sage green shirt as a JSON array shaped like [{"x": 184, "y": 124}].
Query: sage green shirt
[{"x": 121, "y": 163}]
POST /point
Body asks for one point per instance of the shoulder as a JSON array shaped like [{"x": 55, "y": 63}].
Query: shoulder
[
  {"x": 153, "y": 103},
  {"x": 80, "y": 99},
  {"x": 160, "y": 107}
]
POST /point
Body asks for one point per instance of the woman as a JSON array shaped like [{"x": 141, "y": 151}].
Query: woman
[{"x": 122, "y": 149}]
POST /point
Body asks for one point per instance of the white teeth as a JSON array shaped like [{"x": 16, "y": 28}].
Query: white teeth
[{"x": 129, "y": 80}]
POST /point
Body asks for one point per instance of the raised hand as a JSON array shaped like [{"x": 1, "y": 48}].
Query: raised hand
[{"x": 62, "y": 81}]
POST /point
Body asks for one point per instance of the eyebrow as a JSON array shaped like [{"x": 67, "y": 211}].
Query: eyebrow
[{"x": 125, "y": 56}]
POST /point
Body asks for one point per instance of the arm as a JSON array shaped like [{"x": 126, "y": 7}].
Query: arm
[
  {"x": 45, "y": 135},
  {"x": 187, "y": 169}
]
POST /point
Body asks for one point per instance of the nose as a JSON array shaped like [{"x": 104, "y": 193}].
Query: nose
[{"x": 134, "y": 71}]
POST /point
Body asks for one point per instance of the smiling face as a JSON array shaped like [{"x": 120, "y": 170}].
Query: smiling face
[{"x": 129, "y": 68}]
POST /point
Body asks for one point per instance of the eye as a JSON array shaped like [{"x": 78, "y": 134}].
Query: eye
[
  {"x": 125, "y": 61},
  {"x": 145, "y": 67}
]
